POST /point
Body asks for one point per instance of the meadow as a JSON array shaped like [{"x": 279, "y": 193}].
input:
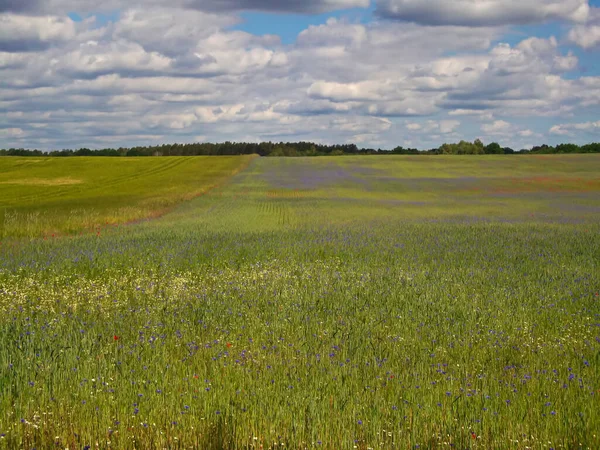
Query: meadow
[{"x": 335, "y": 303}]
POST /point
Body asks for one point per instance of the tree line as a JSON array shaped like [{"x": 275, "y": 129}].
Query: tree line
[{"x": 302, "y": 149}]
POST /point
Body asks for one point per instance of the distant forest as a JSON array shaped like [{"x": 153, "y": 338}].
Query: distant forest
[{"x": 303, "y": 149}]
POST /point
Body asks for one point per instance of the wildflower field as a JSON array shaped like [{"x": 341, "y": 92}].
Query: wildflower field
[{"x": 335, "y": 303}]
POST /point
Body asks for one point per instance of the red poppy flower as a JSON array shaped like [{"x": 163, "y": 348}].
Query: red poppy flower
[
  {"x": 116, "y": 338},
  {"x": 473, "y": 435},
  {"x": 229, "y": 345}
]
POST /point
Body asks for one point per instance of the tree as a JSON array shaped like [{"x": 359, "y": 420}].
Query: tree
[
  {"x": 493, "y": 148},
  {"x": 567, "y": 148},
  {"x": 543, "y": 149},
  {"x": 591, "y": 148},
  {"x": 478, "y": 148},
  {"x": 446, "y": 149}
]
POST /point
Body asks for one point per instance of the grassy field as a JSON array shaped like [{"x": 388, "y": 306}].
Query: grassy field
[
  {"x": 65, "y": 195},
  {"x": 338, "y": 303}
]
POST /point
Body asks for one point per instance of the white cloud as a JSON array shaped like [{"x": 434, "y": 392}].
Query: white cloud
[
  {"x": 434, "y": 126},
  {"x": 367, "y": 90},
  {"x": 480, "y": 114},
  {"x": 305, "y": 6},
  {"x": 525, "y": 79},
  {"x": 178, "y": 74},
  {"x": 11, "y": 132},
  {"x": 20, "y": 33},
  {"x": 559, "y": 130},
  {"x": 170, "y": 31},
  {"x": 483, "y": 13},
  {"x": 586, "y": 36},
  {"x": 448, "y": 126},
  {"x": 497, "y": 127},
  {"x": 94, "y": 58},
  {"x": 570, "y": 129}
]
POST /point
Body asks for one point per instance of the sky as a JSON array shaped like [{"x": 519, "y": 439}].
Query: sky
[{"x": 377, "y": 73}]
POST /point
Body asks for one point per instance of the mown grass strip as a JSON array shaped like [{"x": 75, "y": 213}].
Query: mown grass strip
[{"x": 58, "y": 196}]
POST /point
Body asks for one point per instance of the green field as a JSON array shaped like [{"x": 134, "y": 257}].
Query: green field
[
  {"x": 337, "y": 303},
  {"x": 65, "y": 195}
]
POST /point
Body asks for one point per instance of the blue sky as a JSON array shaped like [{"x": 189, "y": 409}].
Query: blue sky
[
  {"x": 378, "y": 73},
  {"x": 289, "y": 26}
]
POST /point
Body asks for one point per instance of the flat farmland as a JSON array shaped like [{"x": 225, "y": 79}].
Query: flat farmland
[
  {"x": 338, "y": 303},
  {"x": 65, "y": 195}
]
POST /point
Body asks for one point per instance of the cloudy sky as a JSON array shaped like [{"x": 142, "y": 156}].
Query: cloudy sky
[{"x": 379, "y": 73}]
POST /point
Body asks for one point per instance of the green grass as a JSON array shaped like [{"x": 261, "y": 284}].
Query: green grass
[
  {"x": 332, "y": 303},
  {"x": 65, "y": 195}
]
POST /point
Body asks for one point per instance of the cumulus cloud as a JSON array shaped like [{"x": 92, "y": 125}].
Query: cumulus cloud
[
  {"x": 303, "y": 6},
  {"x": 526, "y": 78},
  {"x": 170, "y": 31},
  {"x": 587, "y": 35},
  {"x": 164, "y": 74},
  {"x": 20, "y": 33},
  {"x": 559, "y": 130},
  {"x": 570, "y": 129},
  {"x": 20, "y": 5},
  {"x": 526, "y": 133},
  {"x": 440, "y": 127},
  {"x": 448, "y": 126},
  {"x": 340, "y": 92},
  {"x": 529, "y": 53},
  {"x": 497, "y": 127},
  {"x": 508, "y": 132},
  {"x": 11, "y": 132},
  {"x": 477, "y": 113},
  {"x": 483, "y": 13}
]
